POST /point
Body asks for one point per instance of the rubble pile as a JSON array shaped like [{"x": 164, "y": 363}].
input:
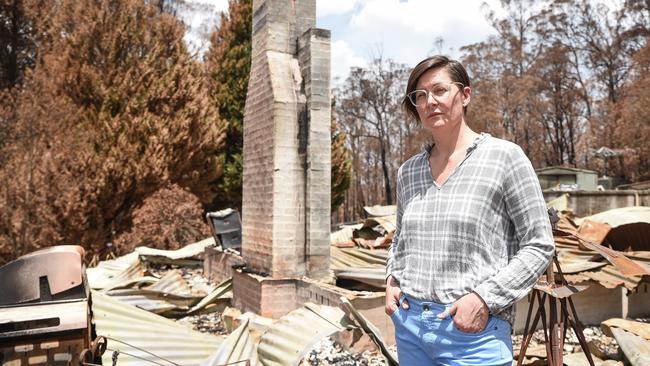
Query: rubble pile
[
  {"x": 358, "y": 255},
  {"x": 205, "y": 323},
  {"x": 599, "y": 344},
  {"x": 328, "y": 352},
  {"x": 211, "y": 322},
  {"x": 157, "y": 305}
]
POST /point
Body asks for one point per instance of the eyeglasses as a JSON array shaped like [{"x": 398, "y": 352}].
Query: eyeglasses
[{"x": 420, "y": 97}]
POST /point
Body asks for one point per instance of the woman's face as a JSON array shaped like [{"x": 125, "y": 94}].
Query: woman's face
[{"x": 446, "y": 111}]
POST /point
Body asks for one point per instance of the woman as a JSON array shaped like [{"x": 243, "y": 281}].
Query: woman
[{"x": 473, "y": 234}]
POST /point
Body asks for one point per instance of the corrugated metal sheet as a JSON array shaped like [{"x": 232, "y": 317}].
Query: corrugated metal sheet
[
  {"x": 168, "y": 303},
  {"x": 366, "y": 233},
  {"x": 172, "y": 298},
  {"x": 581, "y": 264},
  {"x": 295, "y": 334},
  {"x": 635, "y": 348},
  {"x": 607, "y": 276},
  {"x": 594, "y": 231},
  {"x": 222, "y": 290},
  {"x": 573, "y": 260},
  {"x": 389, "y": 223},
  {"x": 638, "y": 328},
  {"x": 635, "y": 236},
  {"x": 632, "y": 337},
  {"x": 171, "y": 292},
  {"x": 172, "y": 283},
  {"x": 372, "y": 276},
  {"x": 378, "y": 210},
  {"x": 240, "y": 345},
  {"x": 154, "y": 301},
  {"x": 620, "y": 216},
  {"x": 642, "y": 258},
  {"x": 188, "y": 251},
  {"x": 141, "y": 301},
  {"x": 141, "y": 336},
  {"x": 630, "y": 227},
  {"x": 343, "y": 237},
  {"x": 371, "y": 330},
  {"x": 127, "y": 270},
  {"x": 345, "y": 258},
  {"x": 112, "y": 273},
  {"x": 577, "y": 266}
]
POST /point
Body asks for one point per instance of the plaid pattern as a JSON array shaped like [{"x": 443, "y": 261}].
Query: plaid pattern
[{"x": 486, "y": 229}]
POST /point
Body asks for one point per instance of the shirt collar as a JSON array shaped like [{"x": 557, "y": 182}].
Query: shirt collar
[{"x": 426, "y": 148}]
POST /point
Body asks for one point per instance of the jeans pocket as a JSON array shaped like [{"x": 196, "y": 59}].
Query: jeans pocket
[{"x": 489, "y": 327}]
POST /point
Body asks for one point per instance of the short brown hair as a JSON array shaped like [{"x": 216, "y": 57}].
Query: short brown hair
[{"x": 456, "y": 72}]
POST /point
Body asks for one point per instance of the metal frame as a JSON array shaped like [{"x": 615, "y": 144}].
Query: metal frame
[
  {"x": 551, "y": 292},
  {"x": 555, "y": 330}
]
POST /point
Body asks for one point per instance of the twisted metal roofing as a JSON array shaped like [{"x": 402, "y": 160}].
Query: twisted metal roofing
[{"x": 144, "y": 338}]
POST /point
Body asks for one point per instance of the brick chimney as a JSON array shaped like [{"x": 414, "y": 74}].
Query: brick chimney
[{"x": 287, "y": 155}]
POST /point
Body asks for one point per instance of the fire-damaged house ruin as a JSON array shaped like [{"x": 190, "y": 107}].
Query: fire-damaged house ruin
[{"x": 276, "y": 280}]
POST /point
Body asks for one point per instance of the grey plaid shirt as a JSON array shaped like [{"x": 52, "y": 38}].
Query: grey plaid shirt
[{"x": 486, "y": 229}]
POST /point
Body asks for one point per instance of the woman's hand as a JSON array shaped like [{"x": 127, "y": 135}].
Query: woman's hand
[
  {"x": 470, "y": 313},
  {"x": 393, "y": 293}
]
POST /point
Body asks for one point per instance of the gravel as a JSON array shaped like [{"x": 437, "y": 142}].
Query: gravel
[
  {"x": 205, "y": 323},
  {"x": 329, "y": 353},
  {"x": 593, "y": 334}
]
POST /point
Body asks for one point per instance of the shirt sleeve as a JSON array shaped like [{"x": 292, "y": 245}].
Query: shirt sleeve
[
  {"x": 528, "y": 213},
  {"x": 398, "y": 225}
]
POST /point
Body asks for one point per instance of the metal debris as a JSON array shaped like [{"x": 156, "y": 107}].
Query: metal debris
[
  {"x": 636, "y": 349},
  {"x": 378, "y": 210},
  {"x": 141, "y": 335},
  {"x": 371, "y": 330},
  {"x": 295, "y": 334},
  {"x": 185, "y": 256},
  {"x": 638, "y": 328},
  {"x": 118, "y": 272},
  {"x": 240, "y": 345},
  {"x": 630, "y": 227}
]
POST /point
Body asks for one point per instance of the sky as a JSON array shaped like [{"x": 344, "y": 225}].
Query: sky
[
  {"x": 403, "y": 30},
  {"x": 200, "y": 18}
]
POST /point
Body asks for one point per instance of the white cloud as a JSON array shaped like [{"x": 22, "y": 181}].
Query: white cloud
[
  {"x": 343, "y": 58},
  {"x": 407, "y": 31},
  {"x": 419, "y": 22},
  {"x": 390, "y": 15},
  {"x": 334, "y": 7}
]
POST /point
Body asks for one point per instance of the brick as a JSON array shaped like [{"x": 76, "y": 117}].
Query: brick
[
  {"x": 289, "y": 82},
  {"x": 218, "y": 265}
]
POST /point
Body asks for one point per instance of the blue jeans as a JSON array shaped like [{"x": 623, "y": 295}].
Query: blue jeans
[{"x": 423, "y": 339}]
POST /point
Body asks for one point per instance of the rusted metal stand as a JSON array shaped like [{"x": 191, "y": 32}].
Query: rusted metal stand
[
  {"x": 549, "y": 291},
  {"x": 555, "y": 329}
]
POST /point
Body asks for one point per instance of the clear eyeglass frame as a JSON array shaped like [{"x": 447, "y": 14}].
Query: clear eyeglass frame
[{"x": 420, "y": 97}]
